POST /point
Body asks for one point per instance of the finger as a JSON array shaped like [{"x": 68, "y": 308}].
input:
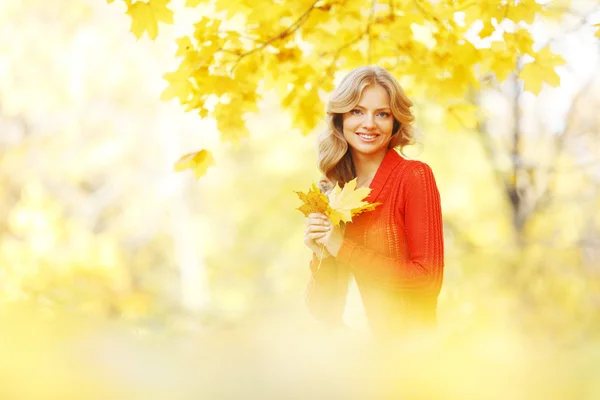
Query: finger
[
  {"x": 316, "y": 235},
  {"x": 317, "y": 215},
  {"x": 316, "y": 229},
  {"x": 313, "y": 228},
  {"x": 317, "y": 221}
]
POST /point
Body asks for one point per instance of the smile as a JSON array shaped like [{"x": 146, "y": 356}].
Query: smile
[{"x": 367, "y": 137}]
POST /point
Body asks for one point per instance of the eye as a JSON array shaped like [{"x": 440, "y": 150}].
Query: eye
[
  {"x": 384, "y": 114},
  {"x": 356, "y": 111}
]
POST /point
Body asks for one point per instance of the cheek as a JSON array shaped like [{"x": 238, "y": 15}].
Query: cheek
[
  {"x": 349, "y": 124},
  {"x": 387, "y": 126}
]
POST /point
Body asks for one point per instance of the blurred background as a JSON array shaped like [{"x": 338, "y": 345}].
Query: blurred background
[{"x": 146, "y": 283}]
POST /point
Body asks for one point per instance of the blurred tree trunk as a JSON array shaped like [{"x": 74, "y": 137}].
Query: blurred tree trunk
[
  {"x": 193, "y": 282},
  {"x": 513, "y": 190}
]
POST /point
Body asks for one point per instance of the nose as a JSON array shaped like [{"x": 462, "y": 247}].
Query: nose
[{"x": 369, "y": 121}]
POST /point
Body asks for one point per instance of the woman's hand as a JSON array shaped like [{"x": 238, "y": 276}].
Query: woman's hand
[
  {"x": 333, "y": 238},
  {"x": 317, "y": 227}
]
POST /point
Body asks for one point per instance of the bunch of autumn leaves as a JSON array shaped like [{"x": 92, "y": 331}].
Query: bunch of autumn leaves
[{"x": 342, "y": 204}]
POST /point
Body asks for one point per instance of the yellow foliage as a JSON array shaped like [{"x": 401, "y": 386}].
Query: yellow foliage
[
  {"x": 484, "y": 10},
  {"x": 503, "y": 62},
  {"x": 524, "y": 10},
  {"x": 58, "y": 262},
  {"x": 541, "y": 70},
  {"x": 487, "y": 30},
  {"x": 248, "y": 47},
  {"x": 146, "y": 15}
]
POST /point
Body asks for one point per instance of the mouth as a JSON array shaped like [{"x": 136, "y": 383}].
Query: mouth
[{"x": 367, "y": 137}]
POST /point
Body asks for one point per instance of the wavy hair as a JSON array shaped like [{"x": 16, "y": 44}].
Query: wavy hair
[{"x": 334, "y": 157}]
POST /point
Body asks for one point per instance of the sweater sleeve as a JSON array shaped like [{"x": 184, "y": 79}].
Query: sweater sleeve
[
  {"x": 422, "y": 268},
  {"x": 325, "y": 294}
]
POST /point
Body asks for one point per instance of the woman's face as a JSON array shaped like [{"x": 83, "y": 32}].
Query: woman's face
[{"x": 368, "y": 126}]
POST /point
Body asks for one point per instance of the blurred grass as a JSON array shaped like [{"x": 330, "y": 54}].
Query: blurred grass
[{"x": 274, "y": 357}]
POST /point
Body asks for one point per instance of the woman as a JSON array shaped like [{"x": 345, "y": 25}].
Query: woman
[{"x": 396, "y": 252}]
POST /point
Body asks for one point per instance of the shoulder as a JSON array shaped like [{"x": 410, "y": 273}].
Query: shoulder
[
  {"x": 402, "y": 170},
  {"x": 417, "y": 167},
  {"x": 416, "y": 170},
  {"x": 418, "y": 178},
  {"x": 400, "y": 175}
]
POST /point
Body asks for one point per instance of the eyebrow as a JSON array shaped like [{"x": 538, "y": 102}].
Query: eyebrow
[{"x": 377, "y": 109}]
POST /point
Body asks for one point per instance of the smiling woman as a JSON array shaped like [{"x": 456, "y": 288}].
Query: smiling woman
[{"x": 396, "y": 252}]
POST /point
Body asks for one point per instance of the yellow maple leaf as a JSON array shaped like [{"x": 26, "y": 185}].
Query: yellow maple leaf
[
  {"x": 180, "y": 86},
  {"x": 503, "y": 61},
  {"x": 519, "y": 41},
  {"x": 524, "y": 10},
  {"x": 541, "y": 70},
  {"x": 314, "y": 201},
  {"x": 184, "y": 45},
  {"x": 199, "y": 162},
  {"x": 361, "y": 209},
  {"x": 230, "y": 123},
  {"x": 343, "y": 201},
  {"x": 146, "y": 15}
]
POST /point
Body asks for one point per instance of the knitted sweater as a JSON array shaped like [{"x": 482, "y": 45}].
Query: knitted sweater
[{"x": 396, "y": 253}]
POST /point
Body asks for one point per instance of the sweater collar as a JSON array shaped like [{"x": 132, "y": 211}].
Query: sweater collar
[{"x": 389, "y": 162}]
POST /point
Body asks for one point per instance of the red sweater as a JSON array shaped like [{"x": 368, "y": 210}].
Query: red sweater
[{"x": 396, "y": 253}]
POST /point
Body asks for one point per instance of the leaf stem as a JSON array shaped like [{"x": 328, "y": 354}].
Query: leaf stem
[{"x": 321, "y": 256}]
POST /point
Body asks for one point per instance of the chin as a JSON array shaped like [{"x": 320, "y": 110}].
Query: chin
[{"x": 368, "y": 149}]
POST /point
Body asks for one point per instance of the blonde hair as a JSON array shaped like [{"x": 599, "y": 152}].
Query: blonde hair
[{"x": 334, "y": 158}]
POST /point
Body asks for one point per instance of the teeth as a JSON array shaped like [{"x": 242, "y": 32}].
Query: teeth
[{"x": 367, "y": 136}]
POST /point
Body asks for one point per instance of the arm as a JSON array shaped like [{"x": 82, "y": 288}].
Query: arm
[
  {"x": 422, "y": 268},
  {"x": 325, "y": 294}
]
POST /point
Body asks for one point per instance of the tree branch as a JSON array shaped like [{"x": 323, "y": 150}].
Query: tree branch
[
  {"x": 337, "y": 55},
  {"x": 285, "y": 33},
  {"x": 425, "y": 13},
  {"x": 583, "y": 21}
]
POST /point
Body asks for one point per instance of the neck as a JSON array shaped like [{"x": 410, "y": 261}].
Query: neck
[{"x": 366, "y": 165}]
